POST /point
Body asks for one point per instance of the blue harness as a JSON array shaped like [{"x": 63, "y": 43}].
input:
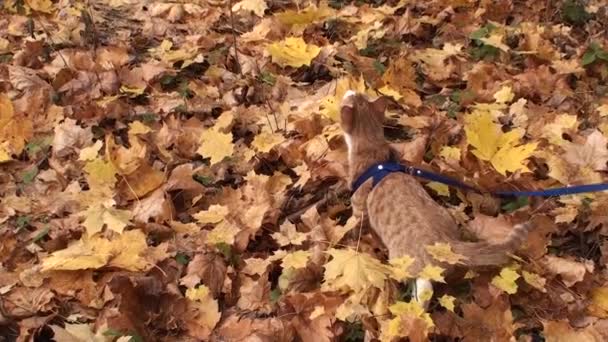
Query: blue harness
[{"x": 380, "y": 170}]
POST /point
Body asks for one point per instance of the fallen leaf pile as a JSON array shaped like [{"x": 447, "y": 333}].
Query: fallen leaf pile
[{"x": 175, "y": 171}]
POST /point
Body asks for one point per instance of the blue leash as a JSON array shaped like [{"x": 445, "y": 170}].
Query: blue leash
[{"x": 380, "y": 170}]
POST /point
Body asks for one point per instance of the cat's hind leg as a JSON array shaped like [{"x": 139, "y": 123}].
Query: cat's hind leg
[{"x": 423, "y": 291}]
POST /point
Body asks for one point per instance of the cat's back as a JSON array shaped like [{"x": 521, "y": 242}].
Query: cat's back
[{"x": 400, "y": 205}]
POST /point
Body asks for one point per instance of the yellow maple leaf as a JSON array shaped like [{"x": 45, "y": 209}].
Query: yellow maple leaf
[
  {"x": 126, "y": 251},
  {"x": 599, "y": 302},
  {"x": 374, "y": 31},
  {"x": 450, "y": 153},
  {"x": 289, "y": 235},
  {"x": 224, "y": 232},
  {"x": 90, "y": 153},
  {"x": 534, "y": 280},
  {"x": 126, "y": 160},
  {"x": 504, "y": 95},
  {"x": 432, "y": 272},
  {"x": 14, "y": 130},
  {"x": 447, "y": 302},
  {"x": 351, "y": 310},
  {"x": 440, "y": 188},
  {"x": 388, "y": 91},
  {"x": 493, "y": 145},
  {"x": 308, "y": 15},
  {"x": 354, "y": 270},
  {"x": 137, "y": 127},
  {"x": 401, "y": 326},
  {"x": 442, "y": 252},
  {"x": 256, "y": 6},
  {"x": 215, "y": 214},
  {"x": 216, "y": 145},
  {"x": 495, "y": 40},
  {"x": 224, "y": 121},
  {"x": 295, "y": 260},
  {"x": 293, "y": 51},
  {"x": 554, "y": 131},
  {"x": 506, "y": 279},
  {"x": 330, "y": 105},
  {"x": 100, "y": 174},
  {"x": 200, "y": 300},
  {"x": 4, "y": 154},
  {"x": 266, "y": 141},
  {"x": 399, "y": 267},
  {"x": 44, "y": 6},
  {"x": 603, "y": 110},
  {"x": 98, "y": 215}
]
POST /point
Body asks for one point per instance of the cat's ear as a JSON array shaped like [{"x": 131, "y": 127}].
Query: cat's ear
[
  {"x": 379, "y": 105},
  {"x": 346, "y": 118}
]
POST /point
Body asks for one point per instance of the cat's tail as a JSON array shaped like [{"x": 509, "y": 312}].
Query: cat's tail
[{"x": 487, "y": 254}]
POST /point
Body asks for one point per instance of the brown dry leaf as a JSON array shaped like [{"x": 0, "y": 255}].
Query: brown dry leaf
[
  {"x": 254, "y": 295},
  {"x": 209, "y": 269},
  {"x": 492, "y": 229},
  {"x": 494, "y": 322},
  {"x": 570, "y": 271},
  {"x": 15, "y": 130},
  {"x": 593, "y": 154},
  {"x": 203, "y": 312},
  {"x": 561, "y": 331}
]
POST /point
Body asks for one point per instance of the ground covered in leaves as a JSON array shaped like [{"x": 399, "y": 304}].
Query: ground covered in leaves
[{"x": 174, "y": 171}]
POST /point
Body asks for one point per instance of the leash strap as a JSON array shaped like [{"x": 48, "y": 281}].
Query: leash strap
[{"x": 380, "y": 170}]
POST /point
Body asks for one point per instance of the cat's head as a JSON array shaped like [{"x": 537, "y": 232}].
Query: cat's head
[{"x": 362, "y": 118}]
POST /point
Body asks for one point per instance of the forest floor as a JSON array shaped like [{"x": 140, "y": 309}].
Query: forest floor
[{"x": 175, "y": 171}]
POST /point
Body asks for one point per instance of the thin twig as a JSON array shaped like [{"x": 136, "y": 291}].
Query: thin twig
[
  {"x": 236, "y": 50},
  {"x": 52, "y": 46}
]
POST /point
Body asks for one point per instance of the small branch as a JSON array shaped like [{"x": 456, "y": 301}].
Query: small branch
[{"x": 236, "y": 50}]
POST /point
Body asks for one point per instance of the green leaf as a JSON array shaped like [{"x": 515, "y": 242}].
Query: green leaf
[
  {"x": 483, "y": 32},
  {"x": 275, "y": 295},
  {"x": 23, "y": 221},
  {"x": 28, "y": 176},
  {"x": 148, "y": 118},
  {"x": 182, "y": 258},
  {"x": 112, "y": 333},
  {"x": 574, "y": 12},
  {"x": 268, "y": 78},
  {"x": 354, "y": 332},
  {"x": 379, "y": 67},
  {"x": 204, "y": 180},
  {"x": 588, "y": 58},
  {"x": 41, "y": 235},
  {"x": 516, "y": 204}
]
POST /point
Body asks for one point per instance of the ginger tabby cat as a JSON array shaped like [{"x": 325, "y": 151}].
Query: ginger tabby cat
[{"x": 400, "y": 211}]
